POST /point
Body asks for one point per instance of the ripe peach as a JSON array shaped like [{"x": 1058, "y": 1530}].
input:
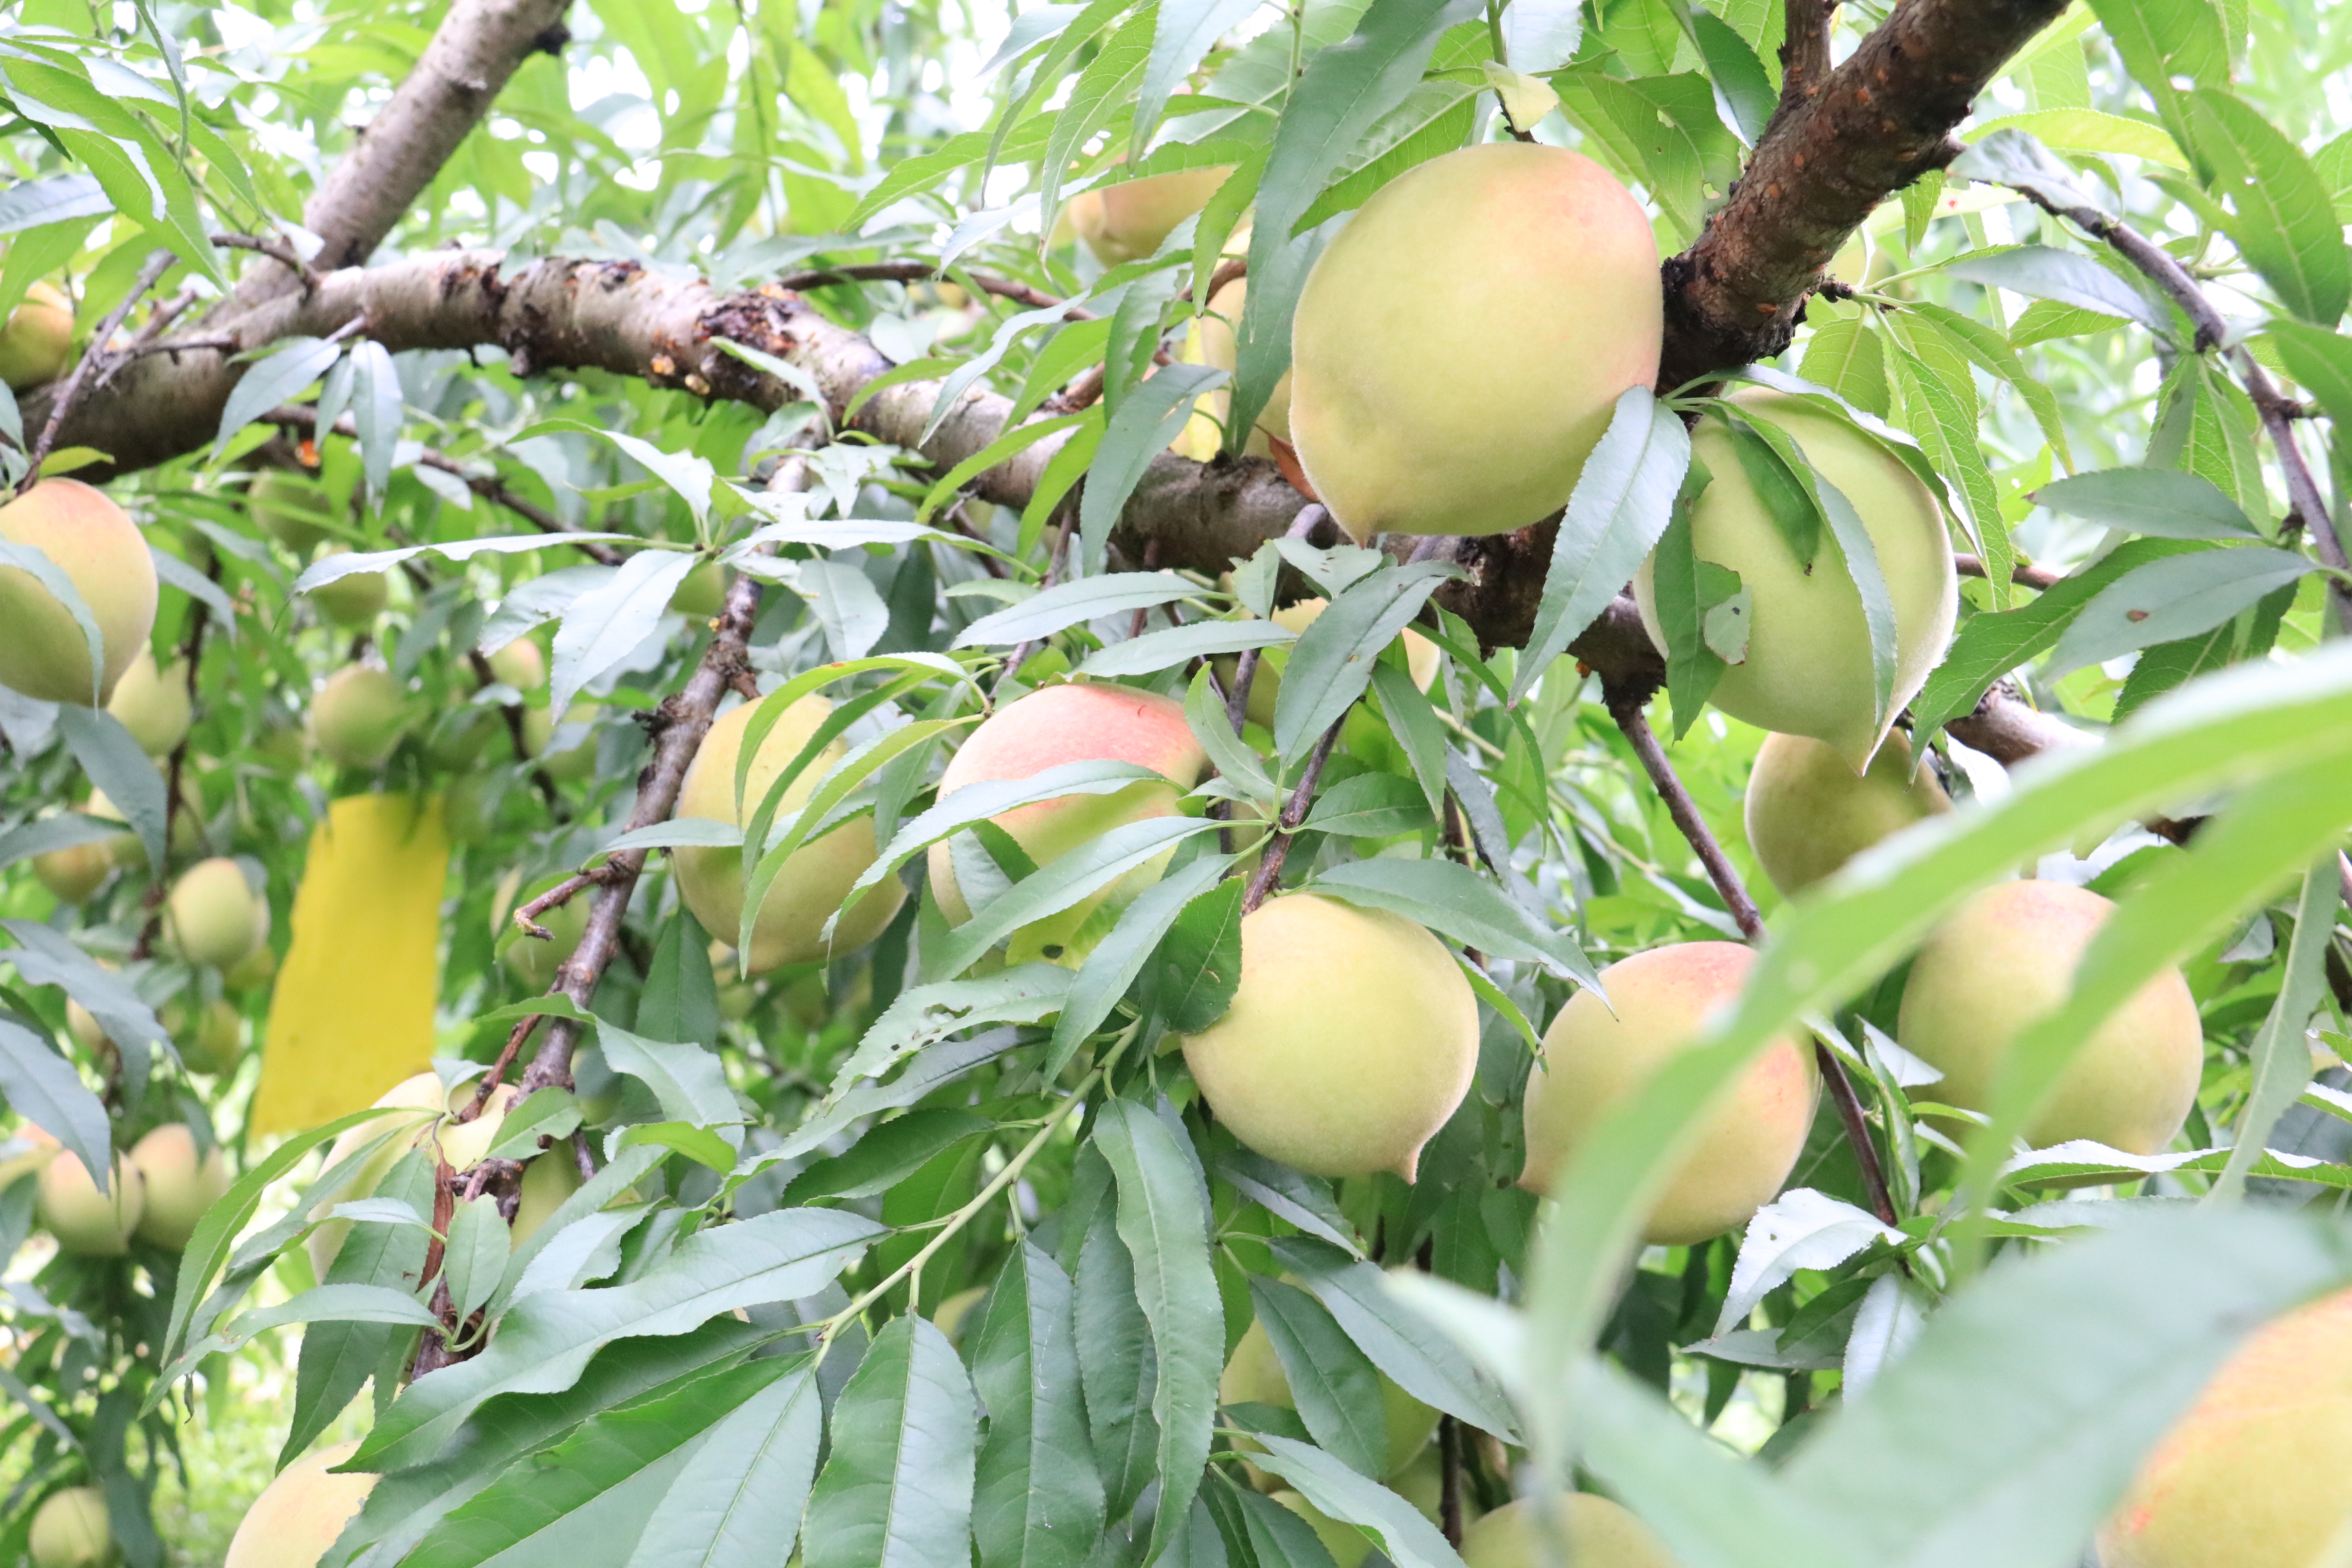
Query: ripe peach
[
  {"x": 1052, "y": 726},
  {"x": 1351, "y": 1039},
  {"x": 1809, "y": 813},
  {"x": 1602, "y": 1534},
  {"x": 154, "y": 703},
  {"x": 83, "y": 1219},
  {"x": 2006, "y": 958},
  {"x": 815, "y": 878},
  {"x": 1808, "y": 669},
  {"x": 72, "y": 874},
  {"x": 99, "y": 550},
  {"x": 2249, "y": 1478},
  {"x": 547, "y": 1179},
  {"x": 293, "y": 509},
  {"x": 520, "y": 665},
  {"x": 1211, "y": 341},
  {"x": 297, "y": 1516},
  {"x": 1534, "y": 254},
  {"x": 179, "y": 1188},
  {"x": 1127, "y": 222},
  {"x": 37, "y": 345},
  {"x": 358, "y": 716},
  {"x": 212, "y": 916},
  {"x": 71, "y": 1530},
  {"x": 1254, "y": 1375},
  {"x": 1593, "y": 1060}
]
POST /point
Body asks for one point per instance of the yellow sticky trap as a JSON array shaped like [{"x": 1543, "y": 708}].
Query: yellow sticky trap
[{"x": 353, "y": 1012}]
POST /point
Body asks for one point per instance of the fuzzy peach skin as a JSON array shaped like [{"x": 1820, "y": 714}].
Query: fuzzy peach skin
[
  {"x": 297, "y": 1516},
  {"x": 1350, "y": 1040},
  {"x": 1535, "y": 256},
  {"x": 44, "y": 653},
  {"x": 2006, "y": 958},
  {"x": 1809, "y": 813},
  {"x": 1593, "y": 1061}
]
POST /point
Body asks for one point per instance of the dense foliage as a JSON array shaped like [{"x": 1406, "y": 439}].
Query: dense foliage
[{"x": 924, "y": 1244}]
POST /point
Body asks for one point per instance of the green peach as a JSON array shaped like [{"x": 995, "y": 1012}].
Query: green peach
[
  {"x": 153, "y": 704},
  {"x": 293, "y": 509},
  {"x": 1601, "y": 1534},
  {"x": 212, "y": 915},
  {"x": 179, "y": 1187},
  {"x": 37, "y": 345},
  {"x": 354, "y": 601},
  {"x": 814, "y": 879},
  {"x": 1809, "y": 813},
  {"x": 70, "y": 1531},
  {"x": 358, "y": 716}
]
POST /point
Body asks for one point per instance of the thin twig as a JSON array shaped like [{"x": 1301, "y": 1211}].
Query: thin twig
[
  {"x": 163, "y": 315},
  {"x": 176, "y": 771},
  {"x": 562, "y": 893},
  {"x": 277, "y": 250},
  {"x": 1244, "y": 676},
  {"x": 922, "y": 271},
  {"x": 157, "y": 265},
  {"x": 1449, "y": 1484},
  {"x": 2278, "y": 412},
  {"x": 2025, "y": 575},
  {"x": 1625, "y": 705},
  {"x": 1293, "y": 812}
]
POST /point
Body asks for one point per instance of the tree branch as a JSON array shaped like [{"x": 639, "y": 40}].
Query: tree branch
[{"x": 62, "y": 404}]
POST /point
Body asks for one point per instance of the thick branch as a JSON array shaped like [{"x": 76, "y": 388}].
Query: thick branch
[
  {"x": 1875, "y": 124},
  {"x": 476, "y": 49}
]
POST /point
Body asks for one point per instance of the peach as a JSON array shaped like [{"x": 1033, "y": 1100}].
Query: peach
[
  {"x": 462, "y": 1145},
  {"x": 1602, "y": 1534},
  {"x": 83, "y": 1219},
  {"x": 70, "y": 1531},
  {"x": 153, "y": 704},
  {"x": 1543, "y": 273},
  {"x": 179, "y": 1187},
  {"x": 1593, "y": 1060},
  {"x": 1421, "y": 659},
  {"x": 520, "y": 665},
  {"x": 1128, "y": 221},
  {"x": 293, "y": 509},
  {"x": 297, "y": 1516},
  {"x": 1808, "y": 669},
  {"x": 351, "y": 601},
  {"x": 703, "y": 593},
  {"x": 2006, "y": 958},
  {"x": 1254, "y": 1375},
  {"x": 1351, "y": 1039},
  {"x": 211, "y": 1036},
  {"x": 99, "y": 550},
  {"x": 212, "y": 916},
  {"x": 358, "y": 716},
  {"x": 72, "y": 874},
  {"x": 547, "y": 1179},
  {"x": 1048, "y": 728},
  {"x": 815, "y": 878},
  {"x": 1809, "y": 813},
  {"x": 534, "y": 962},
  {"x": 37, "y": 345}
]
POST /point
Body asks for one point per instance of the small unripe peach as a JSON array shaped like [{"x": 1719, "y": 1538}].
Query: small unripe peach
[
  {"x": 293, "y": 509},
  {"x": 86, "y": 536},
  {"x": 358, "y": 716},
  {"x": 814, "y": 877},
  {"x": 459, "y": 1144},
  {"x": 178, "y": 1187},
  {"x": 1254, "y": 1375},
  {"x": 1351, "y": 1039},
  {"x": 352, "y": 601},
  {"x": 1809, "y": 813},
  {"x": 2006, "y": 958},
  {"x": 1128, "y": 221},
  {"x": 1052, "y": 726},
  {"x": 212, "y": 915},
  {"x": 297, "y": 1516},
  {"x": 126, "y": 849},
  {"x": 253, "y": 971},
  {"x": 1601, "y": 1534},
  {"x": 83, "y": 1219},
  {"x": 1535, "y": 255},
  {"x": 703, "y": 593},
  {"x": 547, "y": 1179},
  {"x": 72, "y": 874},
  {"x": 154, "y": 703},
  {"x": 1593, "y": 1060},
  {"x": 37, "y": 345},
  {"x": 573, "y": 757},
  {"x": 1808, "y": 669},
  {"x": 2253, "y": 1475},
  {"x": 70, "y": 1531},
  {"x": 211, "y": 1037}
]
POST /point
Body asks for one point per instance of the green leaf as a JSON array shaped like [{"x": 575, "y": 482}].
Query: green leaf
[
  {"x": 1418, "y": 1356},
  {"x": 2163, "y": 502},
  {"x": 2050, "y": 1377},
  {"x": 680, "y": 1001},
  {"x": 2321, "y": 363},
  {"x": 2280, "y": 1054},
  {"x": 43, "y": 1087},
  {"x": 1164, "y": 1223},
  {"x": 888, "y": 1153},
  {"x": 337, "y": 1358},
  {"x": 1155, "y": 651},
  {"x": 1332, "y": 1384},
  {"x": 547, "y": 1340},
  {"x": 1147, "y": 418},
  {"x": 612, "y": 620},
  {"x": 1692, "y": 668},
  {"x": 1877, "y": 607},
  {"x": 2043, "y": 273},
  {"x": 118, "y": 769},
  {"x": 476, "y": 1255},
  {"x": 1117, "y": 1371},
  {"x": 2165, "y": 41},
  {"x": 1622, "y": 502},
  {"x": 1198, "y": 964},
  {"x": 280, "y": 378},
  {"x": 1739, "y": 76},
  {"x": 1412, "y": 720},
  {"x": 1070, "y": 879},
  {"x": 1213, "y": 726},
  {"x": 1331, "y": 663},
  {"x": 1940, "y": 401},
  {"x": 737, "y": 1503},
  {"x": 1370, "y": 805},
  {"x": 31, "y": 558},
  {"x": 1119, "y": 960},
  {"x": 1186, "y": 31},
  {"x": 335, "y": 1303},
  {"x": 1409, "y": 1540},
  {"x": 2285, "y": 223},
  {"x": 897, "y": 1490},
  {"x": 1038, "y": 1501},
  {"x": 2173, "y": 598},
  {"x": 1452, "y": 898},
  {"x": 1068, "y": 605},
  {"x": 689, "y": 1080}
]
